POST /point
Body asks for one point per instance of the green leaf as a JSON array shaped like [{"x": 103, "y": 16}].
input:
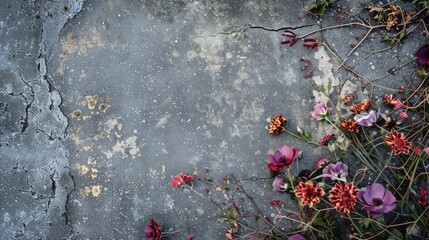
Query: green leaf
[
  {"x": 329, "y": 87},
  {"x": 312, "y": 7},
  {"x": 308, "y": 135}
]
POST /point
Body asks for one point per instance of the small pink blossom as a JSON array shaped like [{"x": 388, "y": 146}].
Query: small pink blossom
[
  {"x": 398, "y": 104},
  {"x": 403, "y": 115},
  {"x": 321, "y": 162},
  {"x": 426, "y": 150},
  {"x": 321, "y": 111},
  {"x": 180, "y": 180}
]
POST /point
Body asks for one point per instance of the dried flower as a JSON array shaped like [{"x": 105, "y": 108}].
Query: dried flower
[
  {"x": 348, "y": 98},
  {"x": 403, "y": 115},
  {"x": 422, "y": 201},
  {"x": 326, "y": 139},
  {"x": 377, "y": 200},
  {"x": 293, "y": 38},
  {"x": 279, "y": 183},
  {"x": 180, "y": 180},
  {"x": 321, "y": 111},
  {"x": 349, "y": 125},
  {"x": 229, "y": 234},
  {"x": 417, "y": 150},
  {"x": 337, "y": 170},
  {"x": 366, "y": 119},
  {"x": 311, "y": 43},
  {"x": 422, "y": 55},
  {"x": 343, "y": 197},
  {"x": 360, "y": 107},
  {"x": 152, "y": 231},
  {"x": 343, "y": 143},
  {"x": 321, "y": 162},
  {"x": 398, "y": 143},
  {"x": 296, "y": 237},
  {"x": 283, "y": 157},
  {"x": 390, "y": 100},
  {"x": 276, "y": 124},
  {"x": 274, "y": 203},
  {"x": 308, "y": 193}
]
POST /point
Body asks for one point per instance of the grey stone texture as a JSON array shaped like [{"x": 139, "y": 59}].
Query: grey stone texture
[{"x": 103, "y": 101}]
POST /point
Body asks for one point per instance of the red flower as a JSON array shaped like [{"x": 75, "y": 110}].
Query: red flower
[
  {"x": 276, "y": 124},
  {"x": 398, "y": 143},
  {"x": 423, "y": 201},
  {"x": 190, "y": 237},
  {"x": 308, "y": 193},
  {"x": 325, "y": 139},
  {"x": 152, "y": 231},
  {"x": 274, "y": 203},
  {"x": 180, "y": 180},
  {"x": 417, "y": 150},
  {"x": 423, "y": 191},
  {"x": 343, "y": 197},
  {"x": 348, "y": 98}
]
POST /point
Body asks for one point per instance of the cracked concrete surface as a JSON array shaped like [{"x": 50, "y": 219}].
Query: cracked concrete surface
[{"x": 102, "y": 102}]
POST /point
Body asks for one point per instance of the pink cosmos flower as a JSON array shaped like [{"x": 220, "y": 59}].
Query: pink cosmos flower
[
  {"x": 426, "y": 150},
  {"x": 377, "y": 200},
  {"x": 366, "y": 119},
  {"x": 321, "y": 111},
  {"x": 283, "y": 157}
]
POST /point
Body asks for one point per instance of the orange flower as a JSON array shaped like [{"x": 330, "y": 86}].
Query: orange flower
[
  {"x": 276, "y": 124},
  {"x": 308, "y": 193},
  {"x": 343, "y": 197},
  {"x": 398, "y": 143},
  {"x": 349, "y": 125},
  {"x": 360, "y": 107}
]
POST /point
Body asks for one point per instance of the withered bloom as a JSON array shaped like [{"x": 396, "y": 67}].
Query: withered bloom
[
  {"x": 308, "y": 193},
  {"x": 360, "y": 107},
  {"x": 349, "y": 125},
  {"x": 343, "y": 197},
  {"x": 398, "y": 143},
  {"x": 276, "y": 124}
]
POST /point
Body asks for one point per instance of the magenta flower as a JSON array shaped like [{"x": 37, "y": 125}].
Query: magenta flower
[
  {"x": 321, "y": 111},
  {"x": 366, "y": 119},
  {"x": 422, "y": 56},
  {"x": 333, "y": 171},
  {"x": 296, "y": 237},
  {"x": 152, "y": 231},
  {"x": 377, "y": 200},
  {"x": 321, "y": 162},
  {"x": 279, "y": 184},
  {"x": 283, "y": 157}
]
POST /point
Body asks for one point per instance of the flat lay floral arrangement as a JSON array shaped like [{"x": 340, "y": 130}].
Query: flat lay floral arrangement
[{"x": 387, "y": 140}]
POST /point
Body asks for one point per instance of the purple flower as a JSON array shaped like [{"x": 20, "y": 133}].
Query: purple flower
[
  {"x": 422, "y": 55},
  {"x": 377, "y": 200},
  {"x": 337, "y": 170},
  {"x": 366, "y": 119},
  {"x": 279, "y": 184},
  {"x": 321, "y": 111},
  {"x": 296, "y": 237},
  {"x": 283, "y": 157}
]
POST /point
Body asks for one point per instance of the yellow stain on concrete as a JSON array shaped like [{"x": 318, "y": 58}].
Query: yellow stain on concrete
[
  {"x": 95, "y": 190},
  {"x": 82, "y": 168},
  {"x": 91, "y": 101}
]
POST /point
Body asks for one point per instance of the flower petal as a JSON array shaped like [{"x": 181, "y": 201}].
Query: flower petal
[
  {"x": 388, "y": 198},
  {"x": 377, "y": 191}
]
